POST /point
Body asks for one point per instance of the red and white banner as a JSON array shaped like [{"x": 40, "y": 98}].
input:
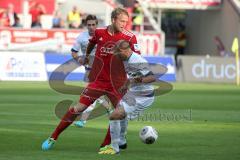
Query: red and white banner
[
  {"x": 184, "y": 4},
  {"x": 36, "y": 39},
  {"x": 13, "y": 35},
  {"x": 151, "y": 44},
  {"x": 62, "y": 40}
]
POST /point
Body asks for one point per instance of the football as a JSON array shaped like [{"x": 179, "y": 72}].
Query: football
[{"x": 148, "y": 135}]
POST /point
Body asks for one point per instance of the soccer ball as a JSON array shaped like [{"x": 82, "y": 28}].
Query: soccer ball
[{"x": 148, "y": 135}]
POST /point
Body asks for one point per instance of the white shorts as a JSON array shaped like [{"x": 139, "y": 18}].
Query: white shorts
[{"x": 135, "y": 105}]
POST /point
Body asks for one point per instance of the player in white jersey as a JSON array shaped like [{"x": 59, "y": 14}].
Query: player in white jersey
[
  {"x": 139, "y": 95},
  {"x": 81, "y": 45}
]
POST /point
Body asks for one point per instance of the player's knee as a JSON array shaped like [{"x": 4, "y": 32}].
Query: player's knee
[
  {"x": 117, "y": 115},
  {"x": 114, "y": 116}
]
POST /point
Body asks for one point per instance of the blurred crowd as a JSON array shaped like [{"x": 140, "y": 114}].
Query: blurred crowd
[
  {"x": 73, "y": 20},
  {"x": 9, "y": 18}
]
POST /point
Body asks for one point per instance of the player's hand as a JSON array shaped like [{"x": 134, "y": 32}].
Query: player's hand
[
  {"x": 123, "y": 89},
  {"x": 80, "y": 60},
  {"x": 86, "y": 61},
  {"x": 77, "y": 58}
]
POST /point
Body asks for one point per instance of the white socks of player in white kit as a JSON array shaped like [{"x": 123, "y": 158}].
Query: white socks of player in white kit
[
  {"x": 123, "y": 125},
  {"x": 115, "y": 134},
  {"x": 118, "y": 130}
]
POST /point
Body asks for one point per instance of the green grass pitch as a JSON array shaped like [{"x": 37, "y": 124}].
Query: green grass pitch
[{"x": 194, "y": 121}]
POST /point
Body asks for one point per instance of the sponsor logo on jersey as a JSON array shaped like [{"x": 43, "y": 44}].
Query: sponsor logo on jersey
[{"x": 107, "y": 48}]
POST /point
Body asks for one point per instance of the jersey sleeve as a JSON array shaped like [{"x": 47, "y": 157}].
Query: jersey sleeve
[
  {"x": 134, "y": 45},
  {"x": 77, "y": 44},
  {"x": 143, "y": 68}
]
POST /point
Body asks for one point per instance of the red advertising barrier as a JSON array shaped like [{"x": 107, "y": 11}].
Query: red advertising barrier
[
  {"x": 13, "y": 39},
  {"x": 13, "y": 35}
]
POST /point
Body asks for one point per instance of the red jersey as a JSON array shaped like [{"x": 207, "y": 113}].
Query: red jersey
[
  {"x": 35, "y": 14},
  {"x": 104, "y": 52}
]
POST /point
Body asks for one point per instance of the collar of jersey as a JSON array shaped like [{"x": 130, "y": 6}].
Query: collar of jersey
[{"x": 112, "y": 34}]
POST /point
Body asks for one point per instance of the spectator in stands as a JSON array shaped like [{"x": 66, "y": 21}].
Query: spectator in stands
[
  {"x": 181, "y": 42},
  {"x": 12, "y": 15},
  {"x": 17, "y": 23},
  {"x": 36, "y": 10},
  {"x": 137, "y": 18},
  {"x": 57, "y": 21},
  {"x": 4, "y": 20},
  {"x": 8, "y": 16},
  {"x": 83, "y": 22},
  {"x": 220, "y": 47},
  {"x": 74, "y": 18}
]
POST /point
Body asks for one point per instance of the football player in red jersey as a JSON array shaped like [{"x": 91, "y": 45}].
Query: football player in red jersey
[{"x": 101, "y": 80}]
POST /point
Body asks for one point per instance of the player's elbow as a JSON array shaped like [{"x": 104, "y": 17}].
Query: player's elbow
[
  {"x": 153, "y": 78},
  {"x": 149, "y": 79}
]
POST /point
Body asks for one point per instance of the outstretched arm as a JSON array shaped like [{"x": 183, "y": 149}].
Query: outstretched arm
[{"x": 89, "y": 49}]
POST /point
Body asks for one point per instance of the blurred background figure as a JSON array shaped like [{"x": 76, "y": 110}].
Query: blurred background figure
[
  {"x": 137, "y": 18},
  {"x": 181, "y": 42},
  {"x": 7, "y": 16},
  {"x": 36, "y": 11},
  {"x": 12, "y": 15},
  {"x": 57, "y": 21},
  {"x": 220, "y": 46},
  {"x": 4, "y": 20},
  {"x": 74, "y": 18},
  {"x": 17, "y": 23}
]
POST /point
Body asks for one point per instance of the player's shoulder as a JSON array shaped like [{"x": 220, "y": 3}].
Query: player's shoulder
[
  {"x": 137, "y": 58},
  {"x": 83, "y": 34},
  {"x": 128, "y": 33},
  {"x": 101, "y": 29}
]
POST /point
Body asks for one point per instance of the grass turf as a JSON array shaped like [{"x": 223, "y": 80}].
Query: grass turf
[{"x": 194, "y": 121}]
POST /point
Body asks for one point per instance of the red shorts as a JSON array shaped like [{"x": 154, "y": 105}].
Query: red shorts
[{"x": 94, "y": 90}]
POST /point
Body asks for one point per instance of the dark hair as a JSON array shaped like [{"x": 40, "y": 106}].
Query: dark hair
[
  {"x": 91, "y": 17},
  {"x": 118, "y": 11}
]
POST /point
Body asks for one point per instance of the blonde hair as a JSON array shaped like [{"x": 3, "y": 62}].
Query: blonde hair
[{"x": 117, "y": 11}]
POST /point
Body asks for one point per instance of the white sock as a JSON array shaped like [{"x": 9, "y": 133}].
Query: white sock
[
  {"x": 115, "y": 134},
  {"x": 123, "y": 132}
]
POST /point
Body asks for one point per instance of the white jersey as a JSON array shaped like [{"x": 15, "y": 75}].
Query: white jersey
[
  {"x": 82, "y": 42},
  {"x": 80, "y": 45},
  {"x": 137, "y": 66},
  {"x": 139, "y": 96}
]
